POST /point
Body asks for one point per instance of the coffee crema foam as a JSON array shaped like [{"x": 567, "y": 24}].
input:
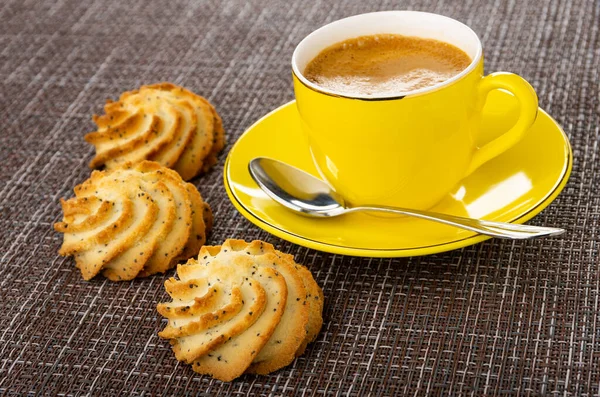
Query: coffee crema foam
[{"x": 385, "y": 64}]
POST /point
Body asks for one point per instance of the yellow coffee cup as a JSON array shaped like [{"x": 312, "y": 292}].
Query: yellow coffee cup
[{"x": 412, "y": 148}]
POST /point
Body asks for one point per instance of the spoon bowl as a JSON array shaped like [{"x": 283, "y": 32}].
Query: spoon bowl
[{"x": 296, "y": 189}]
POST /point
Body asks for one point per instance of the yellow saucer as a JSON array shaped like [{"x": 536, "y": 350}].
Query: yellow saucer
[{"x": 513, "y": 187}]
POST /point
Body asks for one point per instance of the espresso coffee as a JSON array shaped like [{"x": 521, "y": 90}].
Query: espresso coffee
[{"x": 385, "y": 64}]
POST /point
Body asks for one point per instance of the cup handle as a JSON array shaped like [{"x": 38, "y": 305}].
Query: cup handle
[{"x": 528, "y": 103}]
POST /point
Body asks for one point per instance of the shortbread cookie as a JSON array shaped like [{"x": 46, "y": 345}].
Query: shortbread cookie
[
  {"x": 133, "y": 221},
  {"x": 163, "y": 123},
  {"x": 241, "y": 307}
]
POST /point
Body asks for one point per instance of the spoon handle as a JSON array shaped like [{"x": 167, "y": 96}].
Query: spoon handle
[{"x": 495, "y": 229}]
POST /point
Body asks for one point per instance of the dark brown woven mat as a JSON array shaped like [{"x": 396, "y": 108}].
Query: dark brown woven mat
[{"x": 500, "y": 317}]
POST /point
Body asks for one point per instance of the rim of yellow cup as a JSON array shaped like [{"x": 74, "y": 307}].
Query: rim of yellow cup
[{"x": 425, "y": 25}]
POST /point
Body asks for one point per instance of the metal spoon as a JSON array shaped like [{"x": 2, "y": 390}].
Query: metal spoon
[{"x": 303, "y": 193}]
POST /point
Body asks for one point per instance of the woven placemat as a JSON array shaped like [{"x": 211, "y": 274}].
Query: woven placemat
[{"x": 496, "y": 318}]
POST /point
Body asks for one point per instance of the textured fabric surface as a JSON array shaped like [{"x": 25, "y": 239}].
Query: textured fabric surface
[{"x": 500, "y": 317}]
